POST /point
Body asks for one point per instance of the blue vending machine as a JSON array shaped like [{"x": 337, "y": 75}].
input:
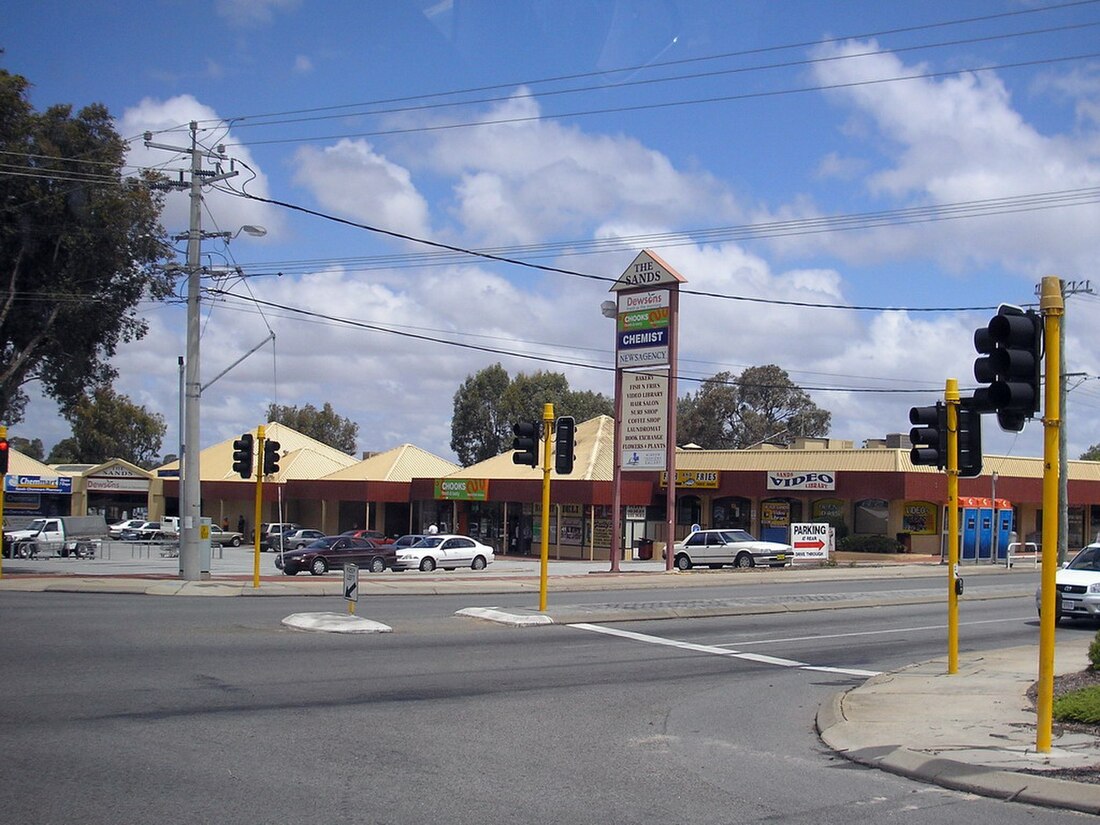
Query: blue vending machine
[
  {"x": 968, "y": 529},
  {"x": 1004, "y": 532}
]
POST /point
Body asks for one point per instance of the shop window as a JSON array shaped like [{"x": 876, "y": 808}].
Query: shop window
[
  {"x": 731, "y": 513},
  {"x": 872, "y": 517},
  {"x": 689, "y": 510}
]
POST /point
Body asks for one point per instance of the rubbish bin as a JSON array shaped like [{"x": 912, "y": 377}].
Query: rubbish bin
[{"x": 643, "y": 548}]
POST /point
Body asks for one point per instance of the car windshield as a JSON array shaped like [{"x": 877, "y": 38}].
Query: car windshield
[
  {"x": 429, "y": 541},
  {"x": 322, "y": 544},
  {"x": 1087, "y": 559},
  {"x": 733, "y": 536}
]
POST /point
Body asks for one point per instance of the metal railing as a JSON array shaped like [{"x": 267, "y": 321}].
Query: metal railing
[{"x": 1030, "y": 553}]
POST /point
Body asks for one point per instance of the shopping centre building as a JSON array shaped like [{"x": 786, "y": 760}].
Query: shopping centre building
[{"x": 873, "y": 490}]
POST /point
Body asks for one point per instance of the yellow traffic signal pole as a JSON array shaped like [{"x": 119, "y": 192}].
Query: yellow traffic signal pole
[
  {"x": 259, "y": 506},
  {"x": 1052, "y": 308},
  {"x": 951, "y": 396},
  {"x": 544, "y": 559}
]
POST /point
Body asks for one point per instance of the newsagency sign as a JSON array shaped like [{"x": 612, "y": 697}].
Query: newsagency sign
[
  {"x": 645, "y": 420},
  {"x": 642, "y": 329}
]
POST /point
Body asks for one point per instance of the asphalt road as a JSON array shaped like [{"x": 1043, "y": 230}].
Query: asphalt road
[{"x": 139, "y": 709}]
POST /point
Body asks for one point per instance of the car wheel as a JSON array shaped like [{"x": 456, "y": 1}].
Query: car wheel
[
  {"x": 478, "y": 563},
  {"x": 427, "y": 564},
  {"x": 318, "y": 566},
  {"x": 744, "y": 560},
  {"x": 377, "y": 565},
  {"x": 683, "y": 562},
  {"x": 236, "y": 541}
]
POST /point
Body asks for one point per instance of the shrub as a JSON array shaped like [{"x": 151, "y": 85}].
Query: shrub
[
  {"x": 869, "y": 544},
  {"x": 1094, "y": 652},
  {"x": 1080, "y": 706}
]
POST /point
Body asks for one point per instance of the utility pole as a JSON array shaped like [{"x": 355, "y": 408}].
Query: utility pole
[{"x": 190, "y": 488}]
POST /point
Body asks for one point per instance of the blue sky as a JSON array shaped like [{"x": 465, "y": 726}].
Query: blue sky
[{"x": 738, "y": 140}]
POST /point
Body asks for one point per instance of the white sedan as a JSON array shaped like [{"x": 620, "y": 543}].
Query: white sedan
[
  {"x": 1077, "y": 587},
  {"x": 448, "y": 552}
]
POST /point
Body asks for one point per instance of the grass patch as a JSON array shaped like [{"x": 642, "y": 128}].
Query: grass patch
[{"x": 1079, "y": 706}]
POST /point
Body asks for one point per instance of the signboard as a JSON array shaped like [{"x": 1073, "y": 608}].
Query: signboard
[
  {"x": 919, "y": 518},
  {"x": 128, "y": 485},
  {"x": 642, "y": 329},
  {"x": 351, "y": 582},
  {"x": 59, "y": 485},
  {"x": 699, "y": 479},
  {"x": 811, "y": 542},
  {"x": 645, "y": 421},
  {"x": 462, "y": 489},
  {"x": 796, "y": 480},
  {"x": 647, "y": 270}
]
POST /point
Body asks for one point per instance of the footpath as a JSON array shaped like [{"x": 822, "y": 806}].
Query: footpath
[{"x": 973, "y": 731}]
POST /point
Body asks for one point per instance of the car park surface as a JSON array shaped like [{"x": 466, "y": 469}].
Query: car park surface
[
  {"x": 332, "y": 553},
  {"x": 446, "y": 551},
  {"x": 716, "y": 548}
]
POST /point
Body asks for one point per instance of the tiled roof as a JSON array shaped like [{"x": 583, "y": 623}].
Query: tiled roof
[
  {"x": 594, "y": 451},
  {"x": 402, "y": 463}
]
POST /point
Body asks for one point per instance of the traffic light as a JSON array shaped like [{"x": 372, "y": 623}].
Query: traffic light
[
  {"x": 970, "y": 439},
  {"x": 1010, "y": 349},
  {"x": 242, "y": 456},
  {"x": 271, "y": 457},
  {"x": 526, "y": 443},
  {"x": 930, "y": 438},
  {"x": 564, "y": 433},
  {"x": 4, "y": 449}
]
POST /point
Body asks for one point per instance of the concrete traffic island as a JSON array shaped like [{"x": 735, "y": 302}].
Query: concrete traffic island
[{"x": 334, "y": 623}]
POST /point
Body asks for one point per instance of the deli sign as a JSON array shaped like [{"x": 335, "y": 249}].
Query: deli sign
[{"x": 796, "y": 480}]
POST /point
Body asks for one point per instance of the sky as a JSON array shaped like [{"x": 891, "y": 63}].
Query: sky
[{"x": 849, "y": 189}]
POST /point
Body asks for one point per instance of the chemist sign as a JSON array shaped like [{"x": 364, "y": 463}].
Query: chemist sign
[{"x": 812, "y": 541}]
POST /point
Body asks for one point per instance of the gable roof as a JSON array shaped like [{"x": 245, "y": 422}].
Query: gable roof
[
  {"x": 593, "y": 450},
  {"x": 402, "y": 463}
]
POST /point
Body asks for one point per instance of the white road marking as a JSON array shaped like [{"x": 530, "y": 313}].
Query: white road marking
[
  {"x": 719, "y": 651},
  {"x": 867, "y": 633}
]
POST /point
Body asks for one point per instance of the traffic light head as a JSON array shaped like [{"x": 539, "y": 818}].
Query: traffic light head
[
  {"x": 526, "y": 443},
  {"x": 271, "y": 457},
  {"x": 242, "y": 456},
  {"x": 564, "y": 434},
  {"x": 929, "y": 438},
  {"x": 1010, "y": 350},
  {"x": 969, "y": 439},
  {"x": 5, "y": 449}
]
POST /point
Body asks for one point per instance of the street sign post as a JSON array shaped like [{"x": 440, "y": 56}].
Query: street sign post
[
  {"x": 351, "y": 586},
  {"x": 811, "y": 541}
]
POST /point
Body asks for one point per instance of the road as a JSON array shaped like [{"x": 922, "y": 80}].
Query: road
[{"x": 140, "y": 709}]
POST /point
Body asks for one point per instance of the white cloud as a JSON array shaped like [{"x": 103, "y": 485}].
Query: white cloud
[
  {"x": 302, "y": 65},
  {"x": 352, "y": 179},
  {"x": 253, "y": 12}
]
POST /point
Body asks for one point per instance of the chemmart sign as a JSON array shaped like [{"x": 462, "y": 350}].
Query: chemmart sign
[{"x": 462, "y": 489}]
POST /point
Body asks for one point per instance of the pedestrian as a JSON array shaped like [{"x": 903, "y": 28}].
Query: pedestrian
[
  {"x": 240, "y": 524},
  {"x": 225, "y": 524}
]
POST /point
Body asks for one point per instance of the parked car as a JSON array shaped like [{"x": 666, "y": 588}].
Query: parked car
[
  {"x": 114, "y": 531},
  {"x": 716, "y": 548},
  {"x": 377, "y": 536},
  {"x": 223, "y": 537},
  {"x": 147, "y": 531},
  {"x": 272, "y": 536},
  {"x": 333, "y": 552},
  {"x": 300, "y": 538},
  {"x": 446, "y": 551},
  {"x": 1077, "y": 587}
]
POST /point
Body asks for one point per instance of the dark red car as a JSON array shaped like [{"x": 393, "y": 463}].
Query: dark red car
[
  {"x": 333, "y": 552},
  {"x": 374, "y": 535}
]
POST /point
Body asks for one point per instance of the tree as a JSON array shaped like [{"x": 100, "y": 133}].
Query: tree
[
  {"x": 31, "y": 448},
  {"x": 489, "y": 403},
  {"x": 80, "y": 247},
  {"x": 108, "y": 425},
  {"x": 762, "y": 404},
  {"x": 1092, "y": 453},
  {"x": 323, "y": 424}
]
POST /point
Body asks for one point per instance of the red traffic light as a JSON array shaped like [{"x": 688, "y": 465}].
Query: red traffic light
[{"x": 4, "y": 456}]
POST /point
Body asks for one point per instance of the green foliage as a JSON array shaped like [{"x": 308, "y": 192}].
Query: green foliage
[
  {"x": 78, "y": 250},
  {"x": 1094, "y": 652},
  {"x": 762, "y": 404},
  {"x": 32, "y": 448},
  {"x": 1079, "y": 706},
  {"x": 489, "y": 402},
  {"x": 869, "y": 544},
  {"x": 107, "y": 426},
  {"x": 1091, "y": 454},
  {"x": 324, "y": 424}
]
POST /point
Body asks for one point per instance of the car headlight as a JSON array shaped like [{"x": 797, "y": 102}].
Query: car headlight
[{"x": 1094, "y": 588}]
